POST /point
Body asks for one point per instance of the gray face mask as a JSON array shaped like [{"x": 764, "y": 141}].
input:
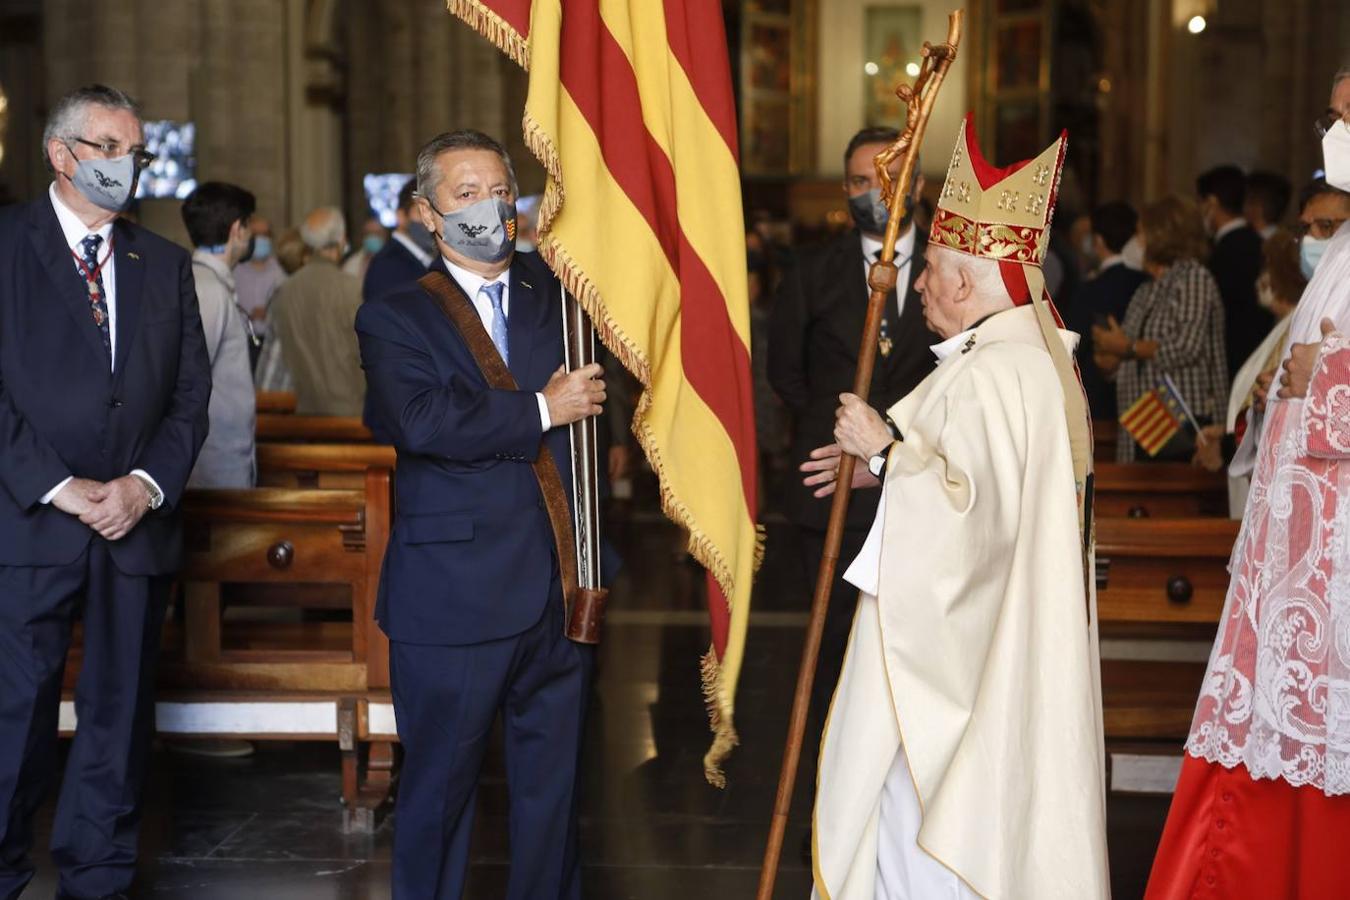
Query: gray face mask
[
  {"x": 106, "y": 183},
  {"x": 871, "y": 215},
  {"x": 484, "y": 231},
  {"x": 421, "y": 236}
]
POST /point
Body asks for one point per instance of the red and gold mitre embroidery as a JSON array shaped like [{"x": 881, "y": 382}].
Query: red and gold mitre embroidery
[{"x": 1000, "y": 214}]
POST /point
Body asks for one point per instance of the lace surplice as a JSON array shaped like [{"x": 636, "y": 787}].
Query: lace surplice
[{"x": 1276, "y": 696}]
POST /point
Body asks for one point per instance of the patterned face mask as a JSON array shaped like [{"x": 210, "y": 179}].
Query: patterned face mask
[{"x": 484, "y": 231}]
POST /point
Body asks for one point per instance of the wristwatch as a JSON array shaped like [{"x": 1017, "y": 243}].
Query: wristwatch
[
  {"x": 156, "y": 495},
  {"x": 877, "y": 464}
]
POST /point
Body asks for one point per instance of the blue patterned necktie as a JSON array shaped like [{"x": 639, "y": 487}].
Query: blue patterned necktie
[
  {"x": 494, "y": 293},
  {"x": 98, "y": 297}
]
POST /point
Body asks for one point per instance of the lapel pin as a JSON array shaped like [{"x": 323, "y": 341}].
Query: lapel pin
[
  {"x": 526, "y": 284},
  {"x": 133, "y": 256}
]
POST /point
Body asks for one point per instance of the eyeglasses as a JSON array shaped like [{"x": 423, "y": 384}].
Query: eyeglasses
[
  {"x": 1318, "y": 228},
  {"x": 1326, "y": 122},
  {"x": 139, "y": 155}
]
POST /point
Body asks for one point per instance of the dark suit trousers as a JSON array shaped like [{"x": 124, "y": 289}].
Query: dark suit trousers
[
  {"x": 446, "y": 700},
  {"x": 98, "y": 813},
  {"x": 838, "y": 618}
]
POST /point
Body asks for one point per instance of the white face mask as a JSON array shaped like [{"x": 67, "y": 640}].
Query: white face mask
[{"x": 1336, "y": 155}]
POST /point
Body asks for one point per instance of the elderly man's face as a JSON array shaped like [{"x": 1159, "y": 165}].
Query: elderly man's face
[
  {"x": 945, "y": 292},
  {"x": 117, "y": 131}
]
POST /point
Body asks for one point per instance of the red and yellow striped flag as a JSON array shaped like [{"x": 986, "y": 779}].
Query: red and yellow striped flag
[
  {"x": 631, "y": 111},
  {"x": 1151, "y": 421}
]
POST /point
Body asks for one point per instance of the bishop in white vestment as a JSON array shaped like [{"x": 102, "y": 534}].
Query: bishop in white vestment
[{"x": 963, "y": 752}]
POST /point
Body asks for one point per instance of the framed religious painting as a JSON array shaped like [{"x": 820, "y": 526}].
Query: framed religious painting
[{"x": 892, "y": 41}]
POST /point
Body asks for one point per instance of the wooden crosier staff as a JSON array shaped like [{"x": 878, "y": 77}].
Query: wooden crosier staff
[{"x": 918, "y": 107}]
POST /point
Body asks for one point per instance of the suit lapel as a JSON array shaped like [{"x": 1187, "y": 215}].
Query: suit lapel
[
  {"x": 521, "y": 323},
  {"x": 49, "y": 241},
  {"x": 130, "y": 280}
]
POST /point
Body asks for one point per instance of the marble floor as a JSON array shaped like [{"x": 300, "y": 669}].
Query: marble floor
[{"x": 270, "y": 826}]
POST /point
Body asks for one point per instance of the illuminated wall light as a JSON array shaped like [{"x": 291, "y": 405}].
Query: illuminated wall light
[
  {"x": 1196, "y": 24},
  {"x": 871, "y": 68},
  {"x": 912, "y": 70}
]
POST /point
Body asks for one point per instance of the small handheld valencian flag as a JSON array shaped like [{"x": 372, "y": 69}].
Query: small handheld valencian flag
[{"x": 1157, "y": 416}]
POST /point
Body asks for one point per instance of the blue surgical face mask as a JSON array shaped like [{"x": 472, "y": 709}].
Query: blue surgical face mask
[
  {"x": 372, "y": 243},
  {"x": 262, "y": 248},
  {"x": 106, "y": 183},
  {"x": 1310, "y": 251}
]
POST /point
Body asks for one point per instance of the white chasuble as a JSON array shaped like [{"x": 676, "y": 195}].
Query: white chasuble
[{"x": 977, "y": 652}]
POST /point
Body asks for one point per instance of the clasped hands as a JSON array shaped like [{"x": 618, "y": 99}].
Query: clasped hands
[
  {"x": 859, "y": 431},
  {"x": 112, "y": 509},
  {"x": 1110, "y": 345}
]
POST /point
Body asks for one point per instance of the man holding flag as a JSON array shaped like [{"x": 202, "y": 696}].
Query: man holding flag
[{"x": 471, "y": 594}]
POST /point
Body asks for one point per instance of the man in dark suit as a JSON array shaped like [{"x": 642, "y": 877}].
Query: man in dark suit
[
  {"x": 470, "y": 593},
  {"x": 1235, "y": 261},
  {"x": 104, "y": 382},
  {"x": 814, "y": 332},
  {"x": 404, "y": 258},
  {"x": 1104, "y": 297}
]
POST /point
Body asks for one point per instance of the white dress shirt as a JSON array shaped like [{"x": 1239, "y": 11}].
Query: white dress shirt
[
  {"x": 75, "y": 232},
  {"x": 904, "y": 252},
  {"x": 1230, "y": 225},
  {"x": 471, "y": 283},
  {"x": 423, "y": 256}
]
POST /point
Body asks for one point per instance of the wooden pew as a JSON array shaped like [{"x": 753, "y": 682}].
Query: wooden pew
[
  {"x": 275, "y": 402},
  {"x": 1103, "y": 440},
  {"x": 1159, "y": 583},
  {"x": 1158, "y": 491},
  {"x": 268, "y": 667},
  {"x": 274, "y": 427},
  {"x": 341, "y": 466}
]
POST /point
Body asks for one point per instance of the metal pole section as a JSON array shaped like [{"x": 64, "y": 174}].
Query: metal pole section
[{"x": 579, "y": 350}]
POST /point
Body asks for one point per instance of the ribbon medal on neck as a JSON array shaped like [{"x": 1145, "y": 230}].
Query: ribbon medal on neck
[{"x": 884, "y": 342}]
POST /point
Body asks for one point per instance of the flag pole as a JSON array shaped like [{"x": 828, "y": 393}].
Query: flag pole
[
  {"x": 586, "y": 611},
  {"x": 918, "y": 101}
]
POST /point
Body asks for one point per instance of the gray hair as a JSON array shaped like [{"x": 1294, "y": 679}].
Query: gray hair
[
  {"x": 70, "y": 114},
  {"x": 984, "y": 274},
  {"x": 429, "y": 175},
  {"x": 323, "y": 228}
]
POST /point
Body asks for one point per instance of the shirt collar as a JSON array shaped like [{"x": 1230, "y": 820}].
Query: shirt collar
[
  {"x": 1114, "y": 259},
  {"x": 904, "y": 246},
  {"x": 471, "y": 282},
  {"x": 951, "y": 344},
  {"x": 1232, "y": 225},
  {"x": 422, "y": 256},
  {"x": 71, "y": 226},
  {"x": 215, "y": 264}
]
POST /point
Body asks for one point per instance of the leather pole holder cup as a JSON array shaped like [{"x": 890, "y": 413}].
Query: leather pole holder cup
[{"x": 588, "y": 615}]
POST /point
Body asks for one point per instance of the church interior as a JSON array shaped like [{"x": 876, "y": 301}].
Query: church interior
[{"x": 276, "y": 760}]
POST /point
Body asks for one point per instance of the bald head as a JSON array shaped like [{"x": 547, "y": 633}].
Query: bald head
[
  {"x": 959, "y": 290},
  {"x": 324, "y": 231}
]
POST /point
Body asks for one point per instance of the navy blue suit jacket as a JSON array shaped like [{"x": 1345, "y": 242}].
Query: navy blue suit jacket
[
  {"x": 1107, "y": 294},
  {"x": 391, "y": 268},
  {"x": 472, "y": 556},
  {"x": 62, "y": 412}
]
